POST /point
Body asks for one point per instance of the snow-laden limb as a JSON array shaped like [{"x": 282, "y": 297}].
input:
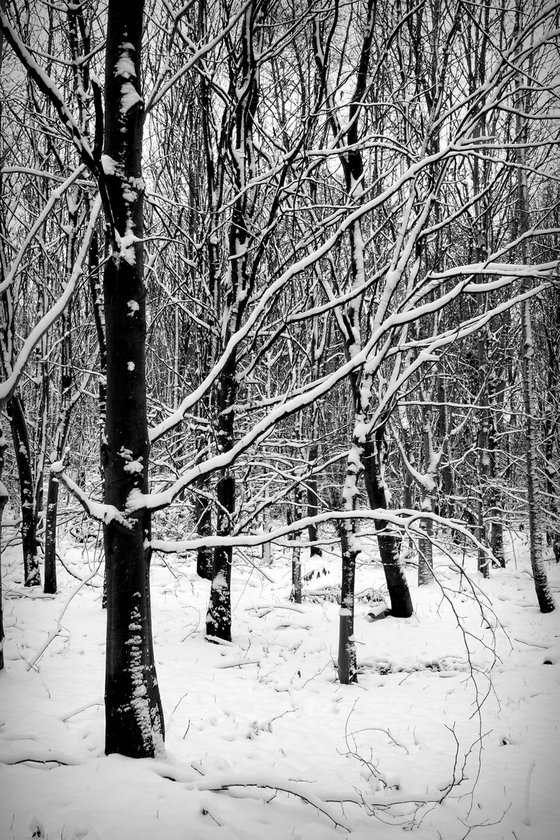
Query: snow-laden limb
[
  {"x": 48, "y": 87},
  {"x": 507, "y": 272},
  {"x": 97, "y": 510},
  {"x": 67, "y": 715},
  {"x": 436, "y": 343},
  {"x": 8, "y": 387},
  {"x": 401, "y": 518},
  {"x": 238, "y": 663},
  {"x": 39, "y": 222},
  {"x": 157, "y": 501},
  {"x": 310, "y": 259},
  {"x": 160, "y": 91},
  {"x": 41, "y": 173}
]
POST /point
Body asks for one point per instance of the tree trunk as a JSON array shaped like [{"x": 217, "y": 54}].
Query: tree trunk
[
  {"x": 50, "y": 583},
  {"x": 294, "y": 514},
  {"x": 425, "y": 546},
  {"x": 134, "y": 720},
  {"x": 544, "y": 595},
  {"x": 238, "y": 282},
  {"x": 347, "y": 659},
  {"x": 25, "y": 472},
  {"x": 389, "y": 541},
  {"x": 218, "y": 618},
  {"x": 542, "y": 589}
]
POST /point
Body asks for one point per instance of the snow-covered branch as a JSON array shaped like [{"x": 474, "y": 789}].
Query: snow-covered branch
[{"x": 8, "y": 387}]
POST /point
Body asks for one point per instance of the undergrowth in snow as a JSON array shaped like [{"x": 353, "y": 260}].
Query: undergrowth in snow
[{"x": 451, "y": 731}]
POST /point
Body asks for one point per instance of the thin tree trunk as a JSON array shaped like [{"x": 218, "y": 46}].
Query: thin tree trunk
[
  {"x": 65, "y": 411},
  {"x": 542, "y": 589},
  {"x": 292, "y": 515},
  {"x": 133, "y": 713},
  {"x": 483, "y": 457},
  {"x": 50, "y": 581},
  {"x": 347, "y": 658},
  {"x": 238, "y": 126},
  {"x": 25, "y": 472},
  {"x": 425, "y": 545},
  {"x": 218, "y": 617}
]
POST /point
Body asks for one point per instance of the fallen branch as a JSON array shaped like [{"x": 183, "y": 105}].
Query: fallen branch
[{"x": 279, "y": 787}]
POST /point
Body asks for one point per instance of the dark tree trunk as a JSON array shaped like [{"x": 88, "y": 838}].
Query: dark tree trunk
[
  {"x": 347, "y": 661},
  {"x": 50, "y": 583},
  {"x": 238, "y": 127},
  {"x": 25, "y": 472},
  {"x": 64, "y": 415},
  {"x": 389, "y": 541},
  {"x": 218, "y": 619},
  {"x": 134, "y": 720},
  {"x": 534, "y": 503},
  {"x": 484, "y": 470}
]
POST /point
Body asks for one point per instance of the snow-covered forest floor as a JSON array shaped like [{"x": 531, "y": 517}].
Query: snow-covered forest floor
[{"x": 262, "y": 741}]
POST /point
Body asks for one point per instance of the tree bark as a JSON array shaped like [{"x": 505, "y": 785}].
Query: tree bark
[
  {"x": 293, "y": 515},
  {"x": 542, "y": 589},
  {"x": 22, "y": 451},
  {"x": 50, "y": 581},
  {"x": 389, "y": 541},
  {"x": 134, "y": 719}
]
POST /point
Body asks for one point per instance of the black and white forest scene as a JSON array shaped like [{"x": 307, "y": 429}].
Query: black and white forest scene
[{"x": 279, "y": 419}]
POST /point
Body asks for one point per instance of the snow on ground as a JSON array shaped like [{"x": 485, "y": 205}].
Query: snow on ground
[{"x": 262, "y": 742}]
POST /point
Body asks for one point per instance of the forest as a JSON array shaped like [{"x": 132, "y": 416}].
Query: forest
[{"x": 279, "y": 418}]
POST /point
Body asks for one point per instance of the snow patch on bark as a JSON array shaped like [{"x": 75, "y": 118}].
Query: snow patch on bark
[
  {"x": 129, "y": 97},
  {"x": 125, "y": 66},
  {"x": 140, "y": 702},
  {"x": 109, "y": 165},
  {"x": 126, "y": 247}
]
